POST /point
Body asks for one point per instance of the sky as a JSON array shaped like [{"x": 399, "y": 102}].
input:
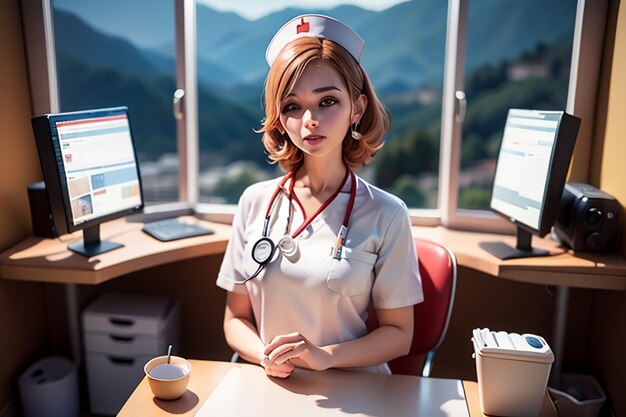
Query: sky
[{"x": 253, "y": 9}]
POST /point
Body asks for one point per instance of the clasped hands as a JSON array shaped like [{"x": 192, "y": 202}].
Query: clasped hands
[{"x": 285, "y": 352}]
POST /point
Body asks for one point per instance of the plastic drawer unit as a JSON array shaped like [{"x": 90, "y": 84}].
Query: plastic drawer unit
[
  {"x": 512, "y": 371},
  {"x": 121, "y": 333}
]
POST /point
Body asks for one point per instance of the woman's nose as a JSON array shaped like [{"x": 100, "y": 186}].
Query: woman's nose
[{"x": 310, "y": 122}]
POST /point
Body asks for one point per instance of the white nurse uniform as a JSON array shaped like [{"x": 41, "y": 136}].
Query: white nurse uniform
[{"x": 310, "y": 292}]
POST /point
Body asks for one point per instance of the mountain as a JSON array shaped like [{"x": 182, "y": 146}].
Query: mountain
[
  {"x": 74, "y": 37},
  {"x": 502, "y": 29},
  {"x": 405, "y": 43},
  {"x": 97, "y": 69},
  {"x": 241, "y": 47},
  {"x": 88, "y": 81},
  {"x": 410, "y": 49},
  {"x": 148, "y": 24}
]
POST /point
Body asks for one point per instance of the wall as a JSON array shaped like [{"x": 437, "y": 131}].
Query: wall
[
  {"x": 22, "y": 323},
  {"x": 607, "y": 339}
]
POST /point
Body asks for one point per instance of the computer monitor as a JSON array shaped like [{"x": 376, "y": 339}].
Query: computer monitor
[
  {"x": 90, "y": 170},
  {"x": 532, "y": 165}
]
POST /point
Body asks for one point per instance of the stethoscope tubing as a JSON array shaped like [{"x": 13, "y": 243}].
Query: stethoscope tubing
[{"x": 264, "y": 248}]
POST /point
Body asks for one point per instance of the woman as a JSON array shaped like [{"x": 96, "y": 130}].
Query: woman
[{"x": 312, "y": 249}]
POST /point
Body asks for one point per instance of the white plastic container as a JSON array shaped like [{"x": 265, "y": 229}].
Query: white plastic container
[
  {"x": 579, "y": 396},
  {"x": 49, "y": 388},
  {"x": 513, "y": 372}
]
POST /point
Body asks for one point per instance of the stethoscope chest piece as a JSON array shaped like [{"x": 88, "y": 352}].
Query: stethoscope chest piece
[
  {"x": 263, "y": 250},
  {"x": 289, "y": 247}
]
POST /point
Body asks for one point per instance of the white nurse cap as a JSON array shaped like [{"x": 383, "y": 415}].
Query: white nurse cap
[{"x": 315, "y": 26}]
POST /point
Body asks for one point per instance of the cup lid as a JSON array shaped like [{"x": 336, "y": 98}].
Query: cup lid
[{"x": 527, "y": 346}]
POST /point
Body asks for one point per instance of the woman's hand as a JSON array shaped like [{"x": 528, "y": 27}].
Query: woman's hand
[
  {"x": 295, "y": 349},
  {"x": 282, "y": 370}
]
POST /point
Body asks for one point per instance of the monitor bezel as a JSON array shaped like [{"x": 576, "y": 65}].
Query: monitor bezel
[
  {"x": 61, "y": 183},
  {"x": 564, "y": 141}
]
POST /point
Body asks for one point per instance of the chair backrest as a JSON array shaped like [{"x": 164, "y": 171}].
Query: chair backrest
[{"x": 437, "y": 266}]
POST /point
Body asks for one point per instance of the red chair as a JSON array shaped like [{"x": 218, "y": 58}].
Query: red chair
[{"x": 437, "y": 266}]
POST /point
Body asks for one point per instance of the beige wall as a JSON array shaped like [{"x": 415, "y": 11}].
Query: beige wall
[
  {"x": 609, "y": 169},
  {"x": 607, "y": 339},
  {"x": 21, "y": 304}
]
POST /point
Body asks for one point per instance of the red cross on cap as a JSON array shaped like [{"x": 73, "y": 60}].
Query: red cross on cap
[{"x": 303, "y": 27}]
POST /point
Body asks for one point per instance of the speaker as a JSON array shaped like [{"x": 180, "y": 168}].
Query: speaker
[
  {"x": 40, "y": 213},
  {"x": 588, "y": 219}
]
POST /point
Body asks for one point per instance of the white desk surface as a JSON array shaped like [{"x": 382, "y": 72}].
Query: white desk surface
[{"x": 246, "y": 391}]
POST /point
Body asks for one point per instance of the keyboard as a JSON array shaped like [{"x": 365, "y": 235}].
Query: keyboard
[{"x": 173, "y": 229}]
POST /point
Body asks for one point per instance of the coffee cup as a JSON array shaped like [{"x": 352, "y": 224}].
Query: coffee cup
[{"x": 168, "y": 381}]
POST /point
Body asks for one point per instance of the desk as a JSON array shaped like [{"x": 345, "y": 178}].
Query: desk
[
  {"x": 49, "y": 260},
  {"x": 564, "y": 269},
  {"x": 332, "y": 392}
]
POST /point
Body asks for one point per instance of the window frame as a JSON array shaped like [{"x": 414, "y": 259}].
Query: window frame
[
  {"x": 186, "y": 114},
  {"x": 587, "y": 43},
  {"x": 588, "y": 39}
]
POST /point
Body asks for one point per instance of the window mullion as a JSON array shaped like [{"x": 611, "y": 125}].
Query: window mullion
[
  {"x": 587, "y": 50},
  {"x": 450, "y": 126},
  {"x": 187, "y": 116},
  {"x": 38, "y": 26}
]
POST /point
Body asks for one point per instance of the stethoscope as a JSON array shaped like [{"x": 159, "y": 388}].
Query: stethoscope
[{"x": 264, "y": 248}]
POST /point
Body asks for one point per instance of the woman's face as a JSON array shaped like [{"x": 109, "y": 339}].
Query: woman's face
[{"x": 317, "y": 113}]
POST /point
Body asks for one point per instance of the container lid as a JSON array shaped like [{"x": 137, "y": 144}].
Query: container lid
[
  {"x": 525, "y": 347},
  {"x": 130, "y": 305}
]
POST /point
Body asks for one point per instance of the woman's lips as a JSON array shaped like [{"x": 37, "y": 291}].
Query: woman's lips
[{"x": 314, "y": 139}]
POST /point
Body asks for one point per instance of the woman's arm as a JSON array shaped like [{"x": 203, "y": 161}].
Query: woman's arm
[
  {"x": 390, "y": 340},
  {"x": 243, "y": 337}
]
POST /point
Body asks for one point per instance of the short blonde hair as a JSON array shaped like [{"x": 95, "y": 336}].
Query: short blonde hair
[{"x": 283, "y": 75}]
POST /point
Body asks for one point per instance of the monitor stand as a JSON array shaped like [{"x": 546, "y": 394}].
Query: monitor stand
[
  {"x": 91, "y": 245},
  {"x": 523, "y": 248}
]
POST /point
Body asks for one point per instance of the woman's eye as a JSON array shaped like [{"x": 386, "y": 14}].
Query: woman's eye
[
  {"x": 328, "y": 101},
  {"x": 290, "y": 107}
]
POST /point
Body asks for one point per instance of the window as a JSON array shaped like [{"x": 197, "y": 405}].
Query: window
[
  {"x": 125, "y": 58},
  {"x": 519, "y": 68},
  {"x": 448, "y": 73},
  {"x": 463, "y": 185},
  {"x": 405, "y": 67}
]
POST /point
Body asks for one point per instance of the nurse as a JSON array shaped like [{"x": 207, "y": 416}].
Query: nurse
[{"x": 311, "y": 250}]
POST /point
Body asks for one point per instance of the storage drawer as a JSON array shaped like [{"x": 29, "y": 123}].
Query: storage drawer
[
  {"x": 112, "y": 379},
  {"x": 125, "y": 345},
  {"x": 128, "y": 314}
]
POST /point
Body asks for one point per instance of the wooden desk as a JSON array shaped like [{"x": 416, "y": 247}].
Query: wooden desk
[
  {"x": 49, "y": 260},
  {"x": 563, "y": 268},
  {"x": 309, "y": 393},
  {"x": 581, "y": 270}
]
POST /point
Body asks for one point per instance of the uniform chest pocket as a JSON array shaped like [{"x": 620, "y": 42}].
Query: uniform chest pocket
[{"x": 352, "y": 274}]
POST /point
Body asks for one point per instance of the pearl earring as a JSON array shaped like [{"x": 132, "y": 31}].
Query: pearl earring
[{"x": 356, "y": 135}]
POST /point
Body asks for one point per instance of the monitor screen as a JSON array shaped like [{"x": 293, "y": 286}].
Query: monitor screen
[
  {"x": 89, "y": 165},
  {"x": 531, "y": 169}
]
